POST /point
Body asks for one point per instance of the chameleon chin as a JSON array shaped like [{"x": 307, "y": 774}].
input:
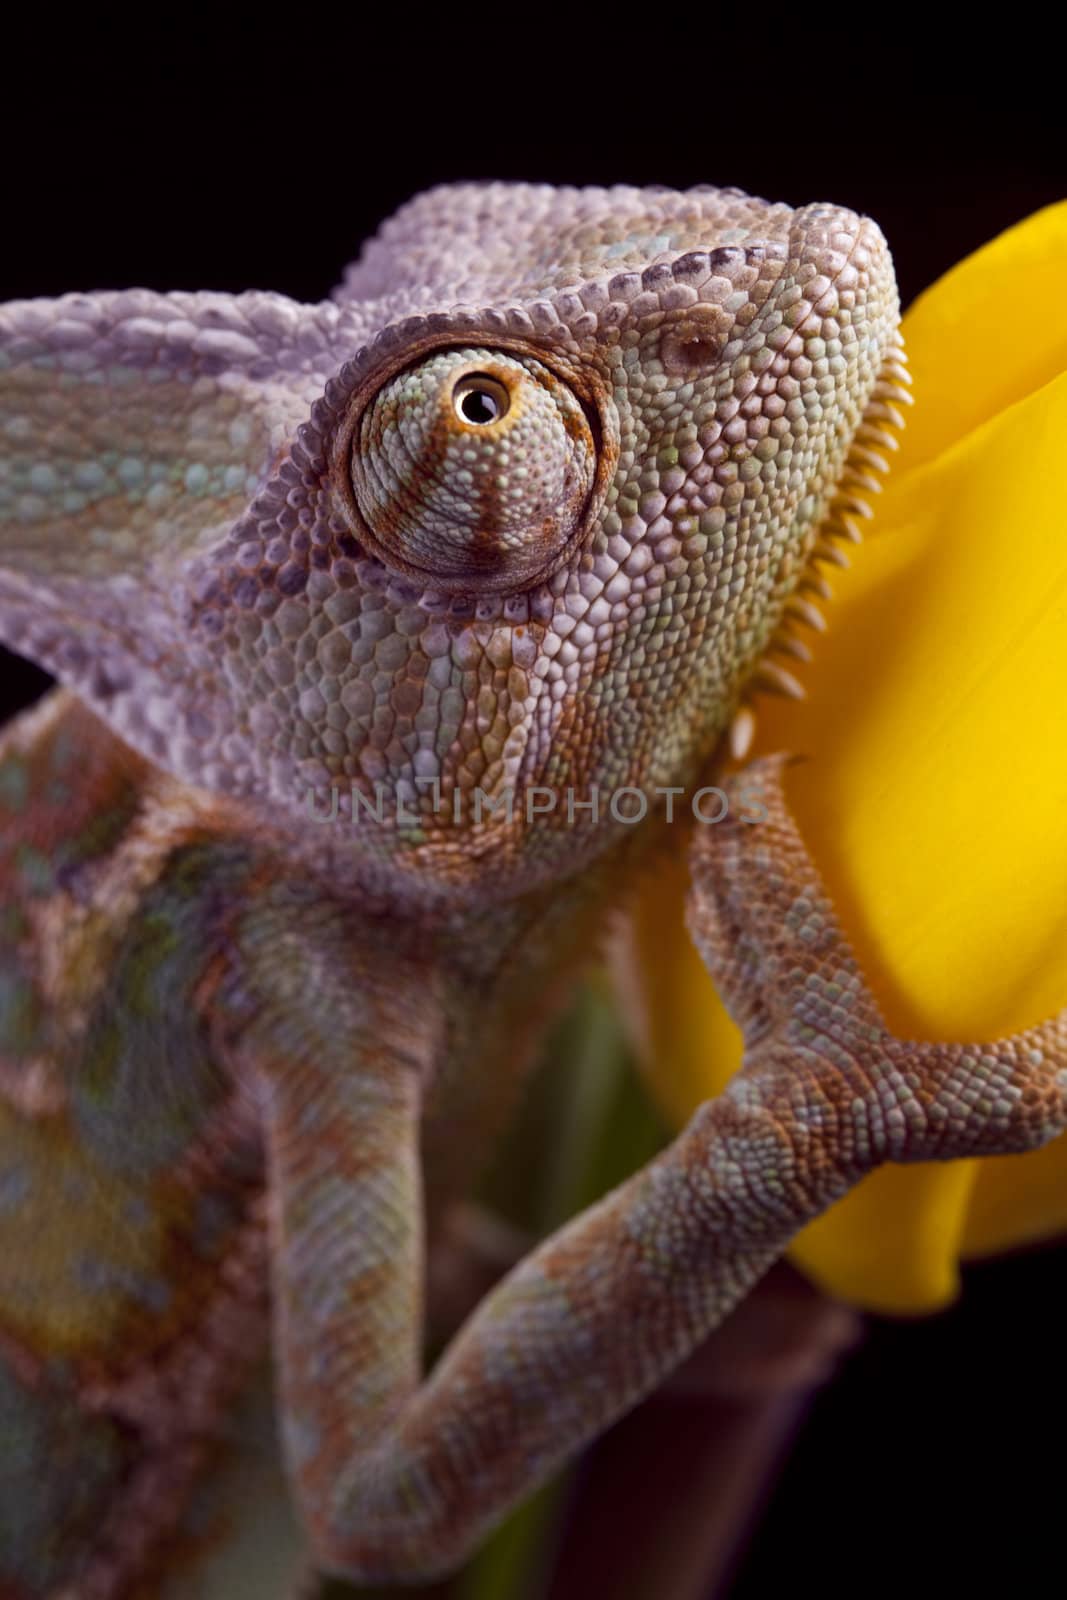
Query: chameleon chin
[{"x": 535, "y": 501}]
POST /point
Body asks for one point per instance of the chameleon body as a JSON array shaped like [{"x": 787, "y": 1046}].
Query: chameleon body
[{"x": 366, "y": 614}]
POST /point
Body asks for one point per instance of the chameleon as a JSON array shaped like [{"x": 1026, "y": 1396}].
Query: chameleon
[{"x": 396, "y": 636}]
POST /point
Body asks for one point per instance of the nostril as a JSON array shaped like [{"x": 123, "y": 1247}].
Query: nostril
[
  {"x": 682, "y": 355},
  {"x": 692, "y": 343}
]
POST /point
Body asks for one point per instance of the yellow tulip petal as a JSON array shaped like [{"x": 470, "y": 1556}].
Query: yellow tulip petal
[
  {"x": 990, "y": 332},
  {"x": 1017, "y": 1200},
  {"x": 893, "y": 1244},
  {"x": 935, "y": 796},
  {"x": 691, "y": 1047},
  {"x": 935, "y": 801}
]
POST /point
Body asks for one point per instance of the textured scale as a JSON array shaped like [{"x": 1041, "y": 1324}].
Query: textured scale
[{"x": 366, "y": 614}]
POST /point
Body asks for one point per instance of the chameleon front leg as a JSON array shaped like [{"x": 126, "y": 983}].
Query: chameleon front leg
[{"x": 399, "y": 1479}]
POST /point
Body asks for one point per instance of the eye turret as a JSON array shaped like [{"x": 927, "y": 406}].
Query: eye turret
[{"x": 473, "y": 469}]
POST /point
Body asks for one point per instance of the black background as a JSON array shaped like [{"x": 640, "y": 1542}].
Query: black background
[{"x": 179, "y": 152}]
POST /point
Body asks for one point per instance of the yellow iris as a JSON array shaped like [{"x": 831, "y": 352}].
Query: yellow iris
[{"x": 935, "y": 797}]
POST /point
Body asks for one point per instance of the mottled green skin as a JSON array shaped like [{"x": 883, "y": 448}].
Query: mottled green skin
[{"x": 110, "y": 1236}]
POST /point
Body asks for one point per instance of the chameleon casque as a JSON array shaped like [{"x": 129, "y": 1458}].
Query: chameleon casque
[{"x": 344, "y": 601}]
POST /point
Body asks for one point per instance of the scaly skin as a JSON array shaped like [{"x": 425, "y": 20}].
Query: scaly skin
[{"x": 521, "y": 514}]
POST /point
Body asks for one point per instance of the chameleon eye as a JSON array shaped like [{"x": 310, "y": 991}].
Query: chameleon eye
[{"x": 473, "y": 469}]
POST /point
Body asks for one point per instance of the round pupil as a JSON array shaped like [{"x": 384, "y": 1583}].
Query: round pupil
[
  {"x": 478, "y": 405},
  {"x": 480, "y": 400}
]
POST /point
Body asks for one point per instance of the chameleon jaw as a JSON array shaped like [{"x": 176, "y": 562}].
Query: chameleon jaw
[{"x": 867, "y": 461}]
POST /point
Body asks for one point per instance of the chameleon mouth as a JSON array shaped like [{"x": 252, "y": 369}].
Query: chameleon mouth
[{"x": 874, "y": 440}]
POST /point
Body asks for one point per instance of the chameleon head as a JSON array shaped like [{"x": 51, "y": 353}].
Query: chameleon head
[{"x": 511, "y": 519}]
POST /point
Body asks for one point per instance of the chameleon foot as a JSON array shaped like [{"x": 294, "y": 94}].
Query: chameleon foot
[{"x": 763, "y": 924}]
